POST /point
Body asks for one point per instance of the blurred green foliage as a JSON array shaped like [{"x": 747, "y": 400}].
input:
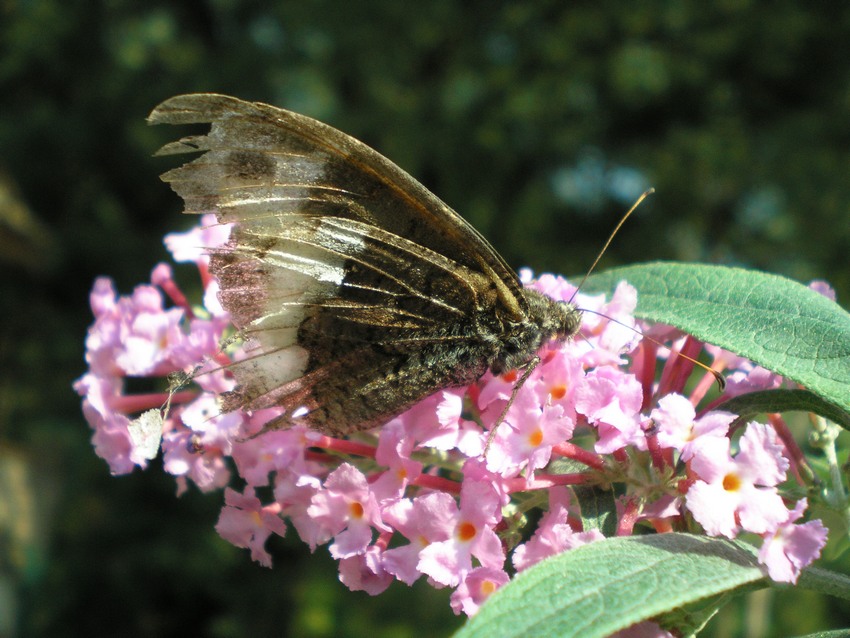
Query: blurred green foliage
[{"x": 538, "y": 121}]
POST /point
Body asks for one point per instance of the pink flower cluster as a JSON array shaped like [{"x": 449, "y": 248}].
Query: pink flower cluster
[{"x": 425, "y": 496}]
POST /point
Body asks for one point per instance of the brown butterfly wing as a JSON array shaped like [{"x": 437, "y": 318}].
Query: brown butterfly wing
[{"x": 360, "y": 291}]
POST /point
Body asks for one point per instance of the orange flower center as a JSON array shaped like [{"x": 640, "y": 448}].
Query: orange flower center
[
  {"x": 535, "y": 438},
  {"x": 356, "y": 510},
  {"x": 731, "y": 483},
  {"x": 466, "y": 531},
  {"x": 558, "y": 392},
  {"x": 510, "y": 377}
]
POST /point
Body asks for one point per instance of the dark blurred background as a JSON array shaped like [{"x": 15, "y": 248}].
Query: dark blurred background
[{"x": 538, "y": 121}]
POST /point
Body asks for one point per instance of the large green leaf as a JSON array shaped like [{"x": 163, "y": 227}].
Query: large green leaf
[
  {"x": 752, "y": 403},
  {"x": 778, "y": 323},
  {"x": 603, "y": 587}
]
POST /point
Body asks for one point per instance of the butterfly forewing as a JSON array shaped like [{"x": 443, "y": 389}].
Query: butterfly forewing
[{"x": 359, "y": 290}]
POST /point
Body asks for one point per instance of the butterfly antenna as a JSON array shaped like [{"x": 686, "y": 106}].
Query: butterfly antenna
[
  {"x": 637, "y": 203},
  {"x": 721, "y": 382}
]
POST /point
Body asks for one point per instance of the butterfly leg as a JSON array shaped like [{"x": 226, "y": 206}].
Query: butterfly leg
[{"x": 529, "y": 368}]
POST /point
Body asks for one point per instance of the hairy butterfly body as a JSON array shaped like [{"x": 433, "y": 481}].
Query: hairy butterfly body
[{"x": 358, "y": 290}]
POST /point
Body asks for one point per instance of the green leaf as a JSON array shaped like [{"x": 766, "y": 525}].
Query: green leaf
[
  {"x": 753, "y": 403},
  {"x": 603, "y": 587},
  {"x": 691, "y": 619},
  {"x": 778, "y": 323},
  {"x": 826, "y": 582},
  {"x": 598, "y": 508}
]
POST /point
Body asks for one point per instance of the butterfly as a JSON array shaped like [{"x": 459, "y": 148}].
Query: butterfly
[{"x": 358, "y": 291}]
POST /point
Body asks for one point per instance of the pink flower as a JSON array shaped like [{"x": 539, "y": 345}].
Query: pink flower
[
  {"x": 554, "y": 286},
  {"x": 111, "y": 439},
  {"x": 130, "y": 335},
  {"x": 437, "y": 422},
  {"x": 727, "y": 359},
  {"x": 365, "y": 572},
  {"x": 608, "y": 340},
  {"x": 552, "y": 536},
  {"x": 294, "y": 493},
  {"x": 147, "y": 333},
  {"x": 194, "y": 245},
  {"x": 246, "y": 523},
  {"x": 274, "y": 451},
  {"x": 100, "y": 393},
  {"x": 347, "y": 510},
  {"x": 611, "y": 400},
  {"x": 556, "y": 379},
  {"x": 137, "y": 336},
  {"x": 393, "y": 452},
  {"x": 180, "y": 458},
  {"x": 497, "y": 389},
  {"x": 679, "y": 429},
  {"x": 477, "y": 587},
  {"x": 212, "y": 427},
  {"x": 469, "y": 532},
  {"x": 526, "y": 438},
  {"x": 423, "y": 520},
  {"x": 740, "y": 490},
  {"x": 103, "y": 298},
  {"x": 823, "y": 288},
  {"x": 790, "y": 548},
  {"x": 751, "y": 378}
]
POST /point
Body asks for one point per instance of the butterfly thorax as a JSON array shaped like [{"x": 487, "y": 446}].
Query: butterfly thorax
[{"x": 546, "y": 320}]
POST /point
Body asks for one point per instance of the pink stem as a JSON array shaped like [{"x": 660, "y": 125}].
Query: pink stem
[
  {"x": 437, "y": 483},
  {"x": 628, "y": 519},
  {"x": 132, "y": 403},
  {"x": 798, "y": 459},
  {"x": 573, "y": 451},
  {"x": 343, "y": 445},
  {"x": 544, "y": 481}
]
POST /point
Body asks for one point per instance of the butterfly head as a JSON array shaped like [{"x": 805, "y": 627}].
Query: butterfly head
[
  {"x": 547, "y": 320},
  {"x": 556, "y": 320}
]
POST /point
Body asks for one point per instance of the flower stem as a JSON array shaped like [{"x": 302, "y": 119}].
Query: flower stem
[
  {"x": 824, "y": 435},
  {"x": 573, "y": 451},
  {"x": 132, "y": 403},
  {"x": 437, "y": 483}
]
